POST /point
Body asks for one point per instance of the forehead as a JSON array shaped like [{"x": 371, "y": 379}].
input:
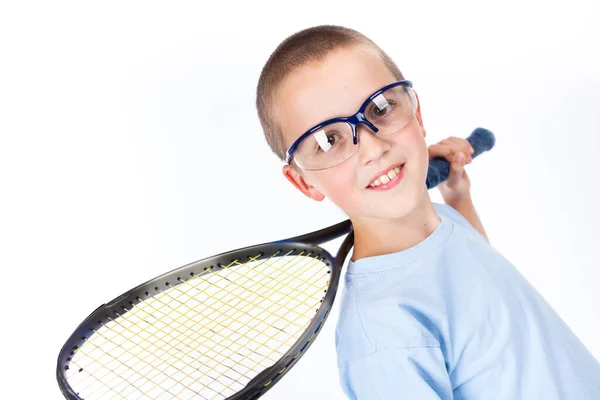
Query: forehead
[{"x": 335, "y": 87}]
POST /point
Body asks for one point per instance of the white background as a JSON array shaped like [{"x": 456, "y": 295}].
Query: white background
[{"x": 130, "y": 146}]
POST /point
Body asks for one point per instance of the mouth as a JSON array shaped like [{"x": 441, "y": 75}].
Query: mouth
[{"x": 388, "y": 178}]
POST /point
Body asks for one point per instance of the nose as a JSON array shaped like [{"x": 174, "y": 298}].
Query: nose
[{"x": 371, "y": 146}]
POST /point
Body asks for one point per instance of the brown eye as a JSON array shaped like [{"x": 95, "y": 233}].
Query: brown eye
[
  {"x": 380, "y": 113},
  {"x": 377, "y": 112},
  {"x": 333, "y": 138}
]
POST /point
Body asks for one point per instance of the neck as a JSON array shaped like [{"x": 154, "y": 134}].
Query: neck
[{"x": 378, "y": 236}]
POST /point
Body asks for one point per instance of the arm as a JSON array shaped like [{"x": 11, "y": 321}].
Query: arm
[{"x": 456, "y": 190}]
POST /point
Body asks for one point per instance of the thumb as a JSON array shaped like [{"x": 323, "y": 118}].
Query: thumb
[{"x": 456, "y": 169}]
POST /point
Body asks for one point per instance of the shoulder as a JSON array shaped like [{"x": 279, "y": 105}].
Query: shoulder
[{"x": 444, "y": 210}]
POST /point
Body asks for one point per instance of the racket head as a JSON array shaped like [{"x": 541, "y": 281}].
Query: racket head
[{"x": 80, "y": 372}]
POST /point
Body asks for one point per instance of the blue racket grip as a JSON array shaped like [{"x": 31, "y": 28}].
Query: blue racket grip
[{"x": 481, "y": 139}]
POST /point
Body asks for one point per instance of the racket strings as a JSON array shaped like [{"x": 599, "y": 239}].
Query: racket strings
[
  {"x": 121, "y": 362},
  {"x": 174, "y": 338},
  {"x": 259, "y": 344},
  {"x": 97, "y": 381},
  {"x": 294, "y": 334},
  {"x": 284, "y": 284},
  {"x": 141, "y": 360},
  {"x": 260, "y": 285},
  {"x": 126, "y": 381},
  {"x": 167, "y": 351},
  {"x": 214, "y": 332},
  {"x": 256, "y": 319}
]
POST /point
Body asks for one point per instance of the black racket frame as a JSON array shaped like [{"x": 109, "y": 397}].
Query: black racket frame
[{"x": 292, "y": 246}]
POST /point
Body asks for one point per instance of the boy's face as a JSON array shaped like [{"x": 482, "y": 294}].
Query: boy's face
[{"x": 337, "y": 87}]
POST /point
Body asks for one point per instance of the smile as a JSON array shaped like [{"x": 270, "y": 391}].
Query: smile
[{"x": 389, "y": 179}]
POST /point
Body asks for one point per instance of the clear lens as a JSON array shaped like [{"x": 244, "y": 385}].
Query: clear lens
[
  {"x": 327, "y": 147},
  {"x": 389, "y": 111},
  {"x": 392, "y": 110}
]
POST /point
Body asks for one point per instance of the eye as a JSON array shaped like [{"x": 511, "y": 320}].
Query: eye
[
  {"x": 377, "y": 112},
  {"x": 333, "y": 138},
  {"x": 380, "y": 113},
  {"x": 330, "y": 140}
]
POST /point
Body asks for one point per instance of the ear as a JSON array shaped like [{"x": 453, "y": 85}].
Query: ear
[
  {"x": 419, "y": 117},
  {"x": 295, "y": 177}
]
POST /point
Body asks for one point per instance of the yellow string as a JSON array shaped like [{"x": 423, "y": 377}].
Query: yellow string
[{"x": 218, "y": 313}]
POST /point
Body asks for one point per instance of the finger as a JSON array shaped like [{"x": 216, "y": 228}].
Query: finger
[
  {"x": 441, "y": 150},
  {"x": 456, "y": 169},
  {"x": 458, "y": 145},
  {"x": 467, "y": 146},
  {"x": 463, "y": 144}
]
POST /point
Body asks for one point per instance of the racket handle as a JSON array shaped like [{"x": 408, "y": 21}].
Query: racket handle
[{"x": 481, "y": 139}]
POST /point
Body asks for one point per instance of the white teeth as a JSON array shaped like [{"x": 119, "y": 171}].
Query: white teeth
[{"x": 383, "y": 179}]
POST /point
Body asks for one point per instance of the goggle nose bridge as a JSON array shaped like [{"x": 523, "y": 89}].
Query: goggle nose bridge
[{"x": 355, "y": 120}]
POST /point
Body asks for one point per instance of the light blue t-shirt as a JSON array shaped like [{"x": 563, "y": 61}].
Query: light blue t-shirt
[{"x": 451, "y": 318}]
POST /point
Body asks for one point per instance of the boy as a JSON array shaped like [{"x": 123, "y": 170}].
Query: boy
[{"x": 430, "y": 310}]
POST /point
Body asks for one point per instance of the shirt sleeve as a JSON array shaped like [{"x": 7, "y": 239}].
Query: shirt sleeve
[{"x": 399, "y": 373}]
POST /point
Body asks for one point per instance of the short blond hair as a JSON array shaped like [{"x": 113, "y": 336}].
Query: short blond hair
[{"x": 306, "y": 46}]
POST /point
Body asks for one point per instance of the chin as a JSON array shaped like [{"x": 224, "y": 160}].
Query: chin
[
  {"x": 399, "y": 207},
  {"x": 408, "y": 201}
]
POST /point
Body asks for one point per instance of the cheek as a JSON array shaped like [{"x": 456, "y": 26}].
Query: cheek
[
  {"x": 339, "y": 186},
  {"x": 415, "y": 141}
]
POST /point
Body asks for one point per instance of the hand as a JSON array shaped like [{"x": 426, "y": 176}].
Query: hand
[{"x": 457, "y": 152}]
